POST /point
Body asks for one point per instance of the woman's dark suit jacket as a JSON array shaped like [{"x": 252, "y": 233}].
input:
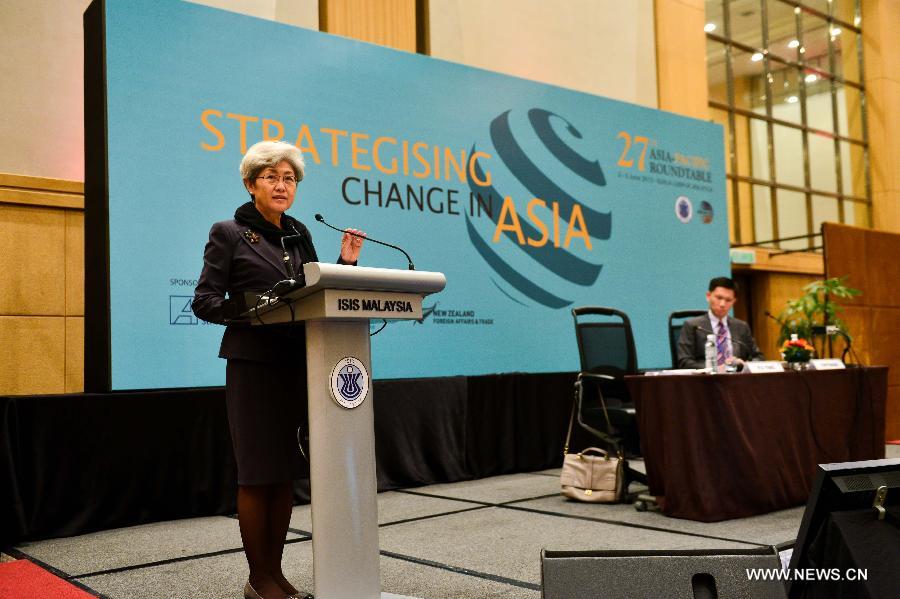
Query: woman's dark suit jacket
[{"x": 238, "y": 260}]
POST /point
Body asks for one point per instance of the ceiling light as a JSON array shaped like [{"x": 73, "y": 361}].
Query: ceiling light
[
  {"x": 793, "y": 43},
  {"x": 836, "y": 31},
  {"x": 792, "y": 99},
  {"x": 709, "y": 27},
  {"x": 811, "y": 78},
  {"x": 802, "y": 50},
  {"x": 757, "y": 57}
]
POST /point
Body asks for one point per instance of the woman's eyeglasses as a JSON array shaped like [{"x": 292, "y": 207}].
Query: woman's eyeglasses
[{"x": 273, "y": 180}]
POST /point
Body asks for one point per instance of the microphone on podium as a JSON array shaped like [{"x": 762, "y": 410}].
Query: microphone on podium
[
  {"x": 775, "y": 318},
  {"x": 408, "y": 259}
]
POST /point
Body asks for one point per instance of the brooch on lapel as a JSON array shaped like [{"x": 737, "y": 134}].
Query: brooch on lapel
[{"x": 251, "y": 236}]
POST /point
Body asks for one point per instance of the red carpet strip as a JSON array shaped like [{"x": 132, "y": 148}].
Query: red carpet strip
[{"x": 22, "y": 579}]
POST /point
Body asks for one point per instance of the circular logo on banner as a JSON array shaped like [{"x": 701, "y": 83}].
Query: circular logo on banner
[
  {"x": 349, "y": 382},
  {"x": 706, "y": 211},
  {"x": 683, "y": 209}
]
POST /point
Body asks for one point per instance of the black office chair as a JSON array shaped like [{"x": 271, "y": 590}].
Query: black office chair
[
  {"x": 676, "y": 322},
  {"x": 606, "y": 348}
]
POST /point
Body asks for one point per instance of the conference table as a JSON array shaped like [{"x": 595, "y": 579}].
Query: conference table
[{"x": 722, "y": 446}]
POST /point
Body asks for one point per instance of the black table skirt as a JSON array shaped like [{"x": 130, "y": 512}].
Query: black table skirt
[{"x": 71, "y": 464}]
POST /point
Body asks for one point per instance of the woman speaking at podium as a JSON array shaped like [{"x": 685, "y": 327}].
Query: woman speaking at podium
[{"x": 265, "y": 381}]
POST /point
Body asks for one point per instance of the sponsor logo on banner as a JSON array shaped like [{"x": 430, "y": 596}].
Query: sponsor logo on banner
[
  {"x": 706, "y": 212},
  {"x": 349, "y": 382},
  {"x": 459, "y": 317},
  {"x": 684, "y": 210},
  {"x": 180, "y": 310}
]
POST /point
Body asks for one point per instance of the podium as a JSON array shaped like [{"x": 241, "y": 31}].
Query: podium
[{"x": 337, "y": 303}]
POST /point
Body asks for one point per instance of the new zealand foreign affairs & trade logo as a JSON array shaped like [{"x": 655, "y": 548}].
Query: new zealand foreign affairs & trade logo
[{"x": 349, "y": 382}]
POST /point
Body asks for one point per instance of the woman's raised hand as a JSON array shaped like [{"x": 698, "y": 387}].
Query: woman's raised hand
[{"x": 351, "y": 245}]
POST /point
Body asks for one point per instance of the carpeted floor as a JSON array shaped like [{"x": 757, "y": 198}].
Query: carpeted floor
[{"x": 479, "y": 539}]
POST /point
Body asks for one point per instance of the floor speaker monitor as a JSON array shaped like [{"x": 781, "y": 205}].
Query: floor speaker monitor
[{"x": 664, "y": 574}]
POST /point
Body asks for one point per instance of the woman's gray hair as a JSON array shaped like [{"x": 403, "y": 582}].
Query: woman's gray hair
[{"x": 267, "y": 154}]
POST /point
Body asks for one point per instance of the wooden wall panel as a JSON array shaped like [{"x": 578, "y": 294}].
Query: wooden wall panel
[
  {"x": 882, "y": 80},
  {"x": 882, "y": 344},
  {"x": 41, "y": 191},
  {"x": 32, "y": 260},
  {"x": 858, "y": 321},
  {"x": 892, "y": 414},
  {"x": 869, "y": 259},
  {"x": 36, "y": 347},
  {"x": 74, "y": 263},
  {"x": 389, "y": 23},
  {"x": 681, "y": 57},
  {"x": 41, "y": 284},
  {"x": 74, "y": 377},
  {"x": 769, "y": 291},
  {"x": 882, "y": 259},
  {"x": 843, "y": 253}
]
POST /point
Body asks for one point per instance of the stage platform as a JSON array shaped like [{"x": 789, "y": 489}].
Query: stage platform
[{"x": 479, "y": 539}]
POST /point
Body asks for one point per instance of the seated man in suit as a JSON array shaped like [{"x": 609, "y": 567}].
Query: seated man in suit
[{"x": 734, "y": 341}]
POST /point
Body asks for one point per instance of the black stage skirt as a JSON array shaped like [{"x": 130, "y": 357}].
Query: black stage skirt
[{"x": 266, "y": 406}]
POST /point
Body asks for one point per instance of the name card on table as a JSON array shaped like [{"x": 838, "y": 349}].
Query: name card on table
[
  {"x": 768, "y": 366},
  {"x": 827, "y": 364}
]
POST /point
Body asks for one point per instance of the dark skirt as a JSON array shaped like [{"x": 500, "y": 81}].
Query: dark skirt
[{"x": 266, "y": 405}]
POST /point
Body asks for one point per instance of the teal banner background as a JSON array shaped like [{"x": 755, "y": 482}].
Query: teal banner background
[{"x": 630, "y": 210}]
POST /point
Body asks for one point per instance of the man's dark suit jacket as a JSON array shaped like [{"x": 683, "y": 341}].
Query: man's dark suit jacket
[
  {"x": 691, "y": 343},
  {"x": 236, "y": 261}
]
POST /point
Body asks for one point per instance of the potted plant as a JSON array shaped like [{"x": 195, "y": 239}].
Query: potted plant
[
  {"x": 816, "y": 308},
  {"x": 797, "y": 352}
]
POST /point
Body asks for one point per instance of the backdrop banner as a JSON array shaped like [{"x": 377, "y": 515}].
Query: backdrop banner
[{"x": 533, "y": 199}]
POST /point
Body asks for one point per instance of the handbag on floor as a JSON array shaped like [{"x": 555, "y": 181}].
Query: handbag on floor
[{"x": 592, "y": 475}]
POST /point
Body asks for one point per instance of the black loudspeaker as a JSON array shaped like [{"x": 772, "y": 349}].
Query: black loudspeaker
[{"x": 685, "y": 574}]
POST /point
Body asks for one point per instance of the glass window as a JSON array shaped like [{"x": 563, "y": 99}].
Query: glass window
[
  {"x": 853, "y": 169},
  {"x": 762, "y": 213},
  {"x": 782, "y": 30},
  {"x": 788, "y": 143},
  {"x": 720, "y": 117},
  {"x": 822, "y": 170},
  {"x": 759, "y": 149},
  {"x": 819, "y": 112},
  {"x": 792, "y": 218},
  {"x": 855, "y": 213},
  {"x": 731, "y": 202},
  {"x": 786, "y": 95},
  {"x": 796, "y": 97},
  {"x": 749, "y": 81},
  {"x": 849, "y": 105},
  {"x": 746, "y": 22},
  {"x": 715, "y": 23},
  {"x": 716, "y": 75},
  {"x": 824, "y": 209},
  {"x": 846, "y": 58},
  {"x": 815, "y": 40},
  {"x": 846, "y": 11},
  {"x": 820, "y": 5},
  {"x": 743, "y": 147}
]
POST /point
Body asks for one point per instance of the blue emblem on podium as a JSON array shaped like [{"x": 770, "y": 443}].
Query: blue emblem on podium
[{"x": 349, "y": 382}]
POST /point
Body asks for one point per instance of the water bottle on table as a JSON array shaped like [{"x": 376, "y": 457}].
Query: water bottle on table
[{"x": 710, "y": 354}]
